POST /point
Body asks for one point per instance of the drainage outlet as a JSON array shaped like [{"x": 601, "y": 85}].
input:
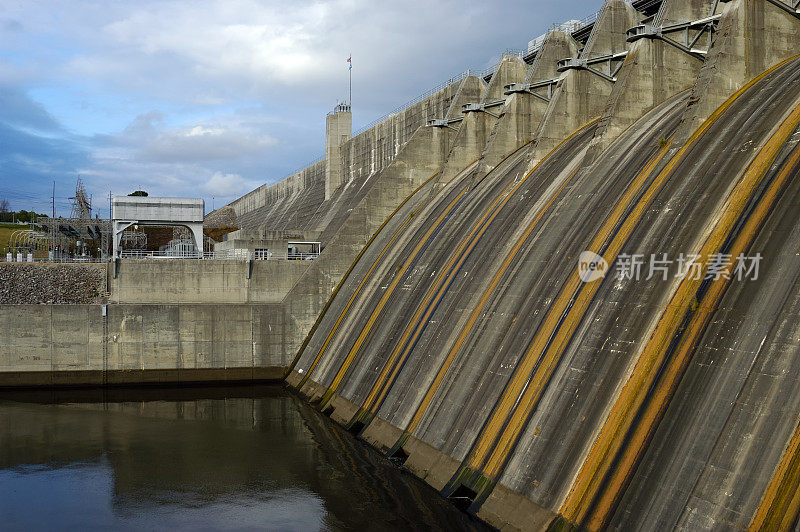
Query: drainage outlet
[
  {"x": 356, "y": 428},
  {"x": 398, "y": 457},
  {"x": 463, "y": 497}
]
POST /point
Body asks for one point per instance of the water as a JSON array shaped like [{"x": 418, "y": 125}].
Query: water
[{"x": 211, "y": 458}]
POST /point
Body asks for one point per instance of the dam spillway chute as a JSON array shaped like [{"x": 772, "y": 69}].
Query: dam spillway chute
[{"x": 455, "y": 348}]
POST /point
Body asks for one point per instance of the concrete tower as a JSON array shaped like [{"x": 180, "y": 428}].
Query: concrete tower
[{"x": 338, "y": 126}]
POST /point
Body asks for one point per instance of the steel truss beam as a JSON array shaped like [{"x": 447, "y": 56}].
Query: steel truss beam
[
  {"x": 688, "y": 34},
  {"x": 444, "y": 122},
  {"x": 482, "y": 107},
  {"x": 531, "y": 88},
  {"x": 613, "y": 62},
  {"x": 790, "y": 6}
]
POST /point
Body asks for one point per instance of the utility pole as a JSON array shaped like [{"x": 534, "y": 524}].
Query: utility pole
[
  {"x": 110, "y": 242},
  {"x": 53, "y": 223}
]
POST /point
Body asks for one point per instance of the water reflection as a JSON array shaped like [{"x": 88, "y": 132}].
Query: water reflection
[{"x": 219, "y": 458}]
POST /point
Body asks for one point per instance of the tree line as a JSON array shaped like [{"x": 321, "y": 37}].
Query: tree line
[{"x": 8, "y": 216}]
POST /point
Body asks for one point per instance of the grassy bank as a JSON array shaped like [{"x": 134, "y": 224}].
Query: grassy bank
[{"x": 5, "y": 235}]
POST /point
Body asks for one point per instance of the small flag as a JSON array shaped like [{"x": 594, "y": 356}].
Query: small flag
[{"x": 349, "y": 60}]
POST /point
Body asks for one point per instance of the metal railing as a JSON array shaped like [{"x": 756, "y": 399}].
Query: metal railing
[
  {"x": 513, "y": 51},
  {"x": 489, "y": 71},
  {"x": 245, "y": 254},
  {"x": 233, "y": 254},
  {"x": 588, "y": 20},
  {"x": 60, "y": 260},
  {"x": 536, "y": 44},
  {"x": 141, "y": 254},
  {"x": 430, "y": 92},
  {"x": 307, "y": 165},
  {"x": 571, "y": 27},
  {"x": 427, "y": 94}
]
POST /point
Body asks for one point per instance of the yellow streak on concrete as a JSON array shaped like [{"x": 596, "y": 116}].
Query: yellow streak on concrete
[
  {"x": 535, "y": 389},
  {"x": 634, "y": 394},
  {"x": 358, "y": 291},
  {"x": 570, "y": 508},
  {"x": 780, "y": 505},
  {"x": 504, "y": 195},
  {"x": 382, "y": 303},
  {"x": 476, "y": 312},
  {"x": 783, "y": 490},
  {"x": 363, "y": 281},
  {"x": 479, "y": 308},
  {"x": 509, "y": 400},
  {"x": 452, "y": 272},
  {"x": 402, "y": 345},
  {"x": 435, "y": 292}
]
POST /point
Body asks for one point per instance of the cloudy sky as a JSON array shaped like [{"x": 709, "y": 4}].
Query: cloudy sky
[{"x": 212, "y": 99}]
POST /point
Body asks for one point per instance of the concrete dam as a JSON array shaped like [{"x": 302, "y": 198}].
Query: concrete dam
[{"x": 565, "y": 292}]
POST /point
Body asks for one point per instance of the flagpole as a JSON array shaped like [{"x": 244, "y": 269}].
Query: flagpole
[{"x": 351, "y": 81}]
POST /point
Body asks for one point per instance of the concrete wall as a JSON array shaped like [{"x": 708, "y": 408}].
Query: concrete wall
[
  {"x": 275, "y": 241},
  {"x": 417, "y": 384},
  {"x": 522, "y": 113},
  {"x": 653, "y": 72},
  {"x": 581, "y": 95},
  {"x": 753, "y": 36},
  {"x": 374, "y": 149},
  {"x": 338, "y": 126},
  {"x": 71, "y": 344},
  {"x": 420, "y": 160},
  {"x": 376, "y": 387},
  {"x": 204, "y": 281},
  {"x": 358, "y": 216},
  {"x": 477, "y": 126},
  {"x": 293, "y": 202},
  {"x": 288, "y": 204}
]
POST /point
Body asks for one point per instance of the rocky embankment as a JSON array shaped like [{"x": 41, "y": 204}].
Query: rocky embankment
[{"x": 56, "y": 284}]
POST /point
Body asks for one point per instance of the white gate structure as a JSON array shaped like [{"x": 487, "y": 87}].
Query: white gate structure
[{"x": 139, "y": 210}]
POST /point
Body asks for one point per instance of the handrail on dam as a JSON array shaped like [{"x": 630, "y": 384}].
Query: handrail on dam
[
  {"x": 232, "y": 254},
  {"x": 573, "y": 27},
  {"x": 397, "y": 110},
  {"x": 414, "y": 101}
]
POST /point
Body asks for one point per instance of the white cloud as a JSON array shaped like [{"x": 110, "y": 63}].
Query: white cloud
[
  {"x": 224, "y": 185},
  {"x": 220, "y": 50},
  {"x": 203, "y": 143},
  {"x": 228, "y": 137},
  {"x": 189, "y": 160},
  {"x": 234, "y": 79},
  {"x": 257, "y": 41}
]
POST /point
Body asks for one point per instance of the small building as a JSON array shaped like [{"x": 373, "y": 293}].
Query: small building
[
  {"x": 270, "y": 245},
  {"x": 128, "y": 211}
]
